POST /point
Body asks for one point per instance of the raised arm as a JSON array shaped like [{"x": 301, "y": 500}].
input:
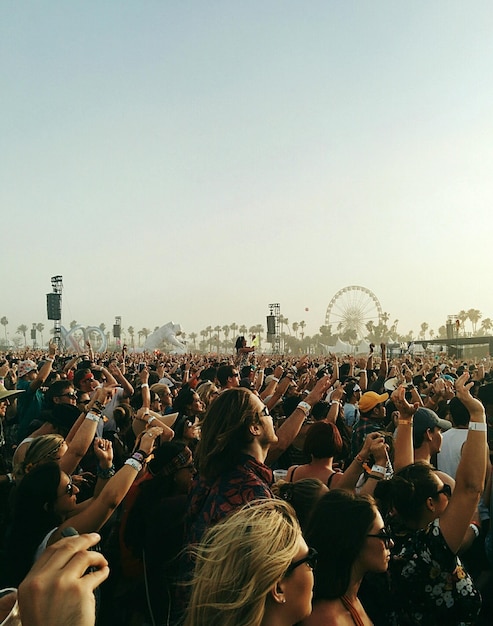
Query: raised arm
[
  {"x": 403, "y": 443},
  {"x": 373, "y": 445},
  {"x": 45, "y": 370},
  {"x": 291, "y": 426},
  {"x": 471, "y": 472},
  {"x": 100, "y": 509},
  {"x": 117, "y": 374}
]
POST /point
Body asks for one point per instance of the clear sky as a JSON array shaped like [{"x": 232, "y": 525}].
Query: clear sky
[{"x": 197, "y": 160}]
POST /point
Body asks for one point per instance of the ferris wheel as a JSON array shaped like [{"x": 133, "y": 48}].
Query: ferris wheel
[{"x": 350, "y": 311}]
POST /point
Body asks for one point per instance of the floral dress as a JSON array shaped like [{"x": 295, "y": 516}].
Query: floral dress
[{"x": 429, "y": 584}]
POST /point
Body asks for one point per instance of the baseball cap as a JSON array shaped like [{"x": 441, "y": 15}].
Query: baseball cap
[
  {"x": 370, "y": 400},
  {"x": 425, "y": 418}
]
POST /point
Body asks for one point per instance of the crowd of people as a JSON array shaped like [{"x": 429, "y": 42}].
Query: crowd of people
[{"x": 138, "y": 489}]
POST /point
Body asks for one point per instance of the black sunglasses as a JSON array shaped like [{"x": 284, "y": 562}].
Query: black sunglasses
[
  {"x": 385, "y": 536},
  {"x": 67, "y": 395},
  {"x": 310, "y": 559},
  {"x": 69, "y": 489},
  {"x": 446, "y": 489}
]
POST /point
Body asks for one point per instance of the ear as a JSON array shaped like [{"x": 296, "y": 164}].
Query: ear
[
  {"x": 430, "y": 504},
  {"x": 255, "y": 429},
  {"x": 277, "y": 593},
  {"x": 429, "y": 434}
]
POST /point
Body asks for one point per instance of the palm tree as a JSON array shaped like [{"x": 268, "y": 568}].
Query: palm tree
[
  {"x": 226, "y": 330},
  {"x": 283, "y": 321},
  {"x": 295, "y": 326},
  {"x": 302, "y": 327},
  {"x": 203, "y": 334},
  {"x": 216, "y": 341},
  {"x": 462, "y": 317},
  {"x": 217, "y": 330},
  {"x": 243, "y": 329},
  {"x": 486, "y": 325},
  {"x": 474, "y": 315},
  {"x": 424, "y": 328},
  {"x": 193, "y": 337},
  {"x": 131, "y": 332},
  {"x": 146, "y": 332},
  {"x": 4, "y": 322},
  {"x": 40, "y": 327},
  {"x": 233, "y": 327},
  {"x": 209, "y": 332},
  {"x": 203, "y": 344},
  {"x": 22, "y": 330}
]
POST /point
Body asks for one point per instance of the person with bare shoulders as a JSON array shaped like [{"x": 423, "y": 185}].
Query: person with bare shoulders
[
  {"x": 429, "y": 583},
  {"x": 358, "y": 543}
]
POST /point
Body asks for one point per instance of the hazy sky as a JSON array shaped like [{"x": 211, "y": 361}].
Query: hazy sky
[{"x": 196, "y": 161}]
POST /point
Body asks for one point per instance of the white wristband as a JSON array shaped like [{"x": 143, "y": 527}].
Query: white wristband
[
  {"x": 134, "y": 464},
  {"x": 378, "y": 469},
  {"x": 92, "y": 416},
  {"x": 151, "y": 419},
  {"x": 305, "y": 407},
  {"x": 481, "y": 426}
]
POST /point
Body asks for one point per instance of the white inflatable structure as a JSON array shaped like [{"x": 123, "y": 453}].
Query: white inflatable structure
[
  {"x": 77, "y": 336},
  {"x": 167, "y": 333}
]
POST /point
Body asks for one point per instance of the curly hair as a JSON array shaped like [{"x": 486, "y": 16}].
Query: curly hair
[{"x": 238, "y": 563}]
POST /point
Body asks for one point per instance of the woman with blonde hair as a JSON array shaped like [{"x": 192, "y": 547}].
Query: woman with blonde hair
[
  {"x": 207, "y": 392},
  {"x": 252, "y": 569},
  {"x": 41, "y": 449}
]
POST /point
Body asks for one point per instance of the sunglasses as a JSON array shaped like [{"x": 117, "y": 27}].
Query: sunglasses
[
  {"x": 385, "y": 536},
  {"x": 446, "y": 489},
  {"x": 69, "y": 489},
  {"x": 70, "y": 395},
  {"x": 310, "y": 559}
]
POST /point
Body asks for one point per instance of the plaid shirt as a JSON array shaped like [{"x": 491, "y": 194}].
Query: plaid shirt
[{"x": 363, "y": 427}]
